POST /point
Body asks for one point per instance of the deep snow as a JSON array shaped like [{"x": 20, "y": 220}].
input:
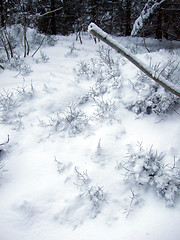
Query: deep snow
[{"x": 63, "y": 181}]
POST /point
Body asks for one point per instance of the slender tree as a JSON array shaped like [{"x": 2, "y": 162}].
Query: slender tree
[
  {"x": 2, "y": 12},
  {"x": 128, "y": 17}
]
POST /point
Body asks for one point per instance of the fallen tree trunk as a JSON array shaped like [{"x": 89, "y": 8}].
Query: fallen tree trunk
[{"x": 98, "y": 32}]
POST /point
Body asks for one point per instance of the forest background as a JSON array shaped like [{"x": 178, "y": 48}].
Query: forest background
[{"x": 114, "y": 16}]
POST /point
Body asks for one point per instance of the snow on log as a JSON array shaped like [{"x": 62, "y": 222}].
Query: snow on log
[{"x": 98, "y": 32}]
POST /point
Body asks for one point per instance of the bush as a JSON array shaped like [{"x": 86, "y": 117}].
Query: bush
[
  {"x": 72, "y": 120},
  {"x": 145, "y": 169},
  {"x": 95, "y": 194},
  {"x": 10, "y": 102},
  {"x": 101, "y": 69},
  {"x": 2, "y": 146},
  {"x": 150, "y": 97}
]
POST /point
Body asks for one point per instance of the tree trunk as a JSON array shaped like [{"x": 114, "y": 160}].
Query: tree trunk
[
  {"x": 94, "y": 11},
  {"x": 53, "y": 18},
  {"x": 159, "y": 24},
  {"x": 2, "y": 13},
  {"x": 128, "y": 17}
]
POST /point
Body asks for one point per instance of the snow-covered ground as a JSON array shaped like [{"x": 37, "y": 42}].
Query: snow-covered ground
[{"x": 64, "y": 169}]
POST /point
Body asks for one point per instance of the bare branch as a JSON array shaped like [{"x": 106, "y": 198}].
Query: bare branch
[
  {"x": 39, "y": 46},
  {"x": 50, "y": 12}
]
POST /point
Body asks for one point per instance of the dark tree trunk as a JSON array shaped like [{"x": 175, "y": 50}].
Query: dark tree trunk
[
  {"x": 53, "y": 18},
  {"x": 128, "y": 17},
  {"x": 159, "y": 25},
  {"x": 94, "y": 11},
  {"x": 2, "y": 13}
]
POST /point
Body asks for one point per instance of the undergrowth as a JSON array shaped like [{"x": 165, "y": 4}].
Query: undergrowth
[{"x": 145, "y": 169}]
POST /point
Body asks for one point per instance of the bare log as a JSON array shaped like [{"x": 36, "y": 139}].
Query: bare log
[{"x": 98, "y": 32}]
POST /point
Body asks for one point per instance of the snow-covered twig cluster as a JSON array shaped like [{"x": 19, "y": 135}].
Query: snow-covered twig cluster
[
  {"x": 145, "y": 169},
  {"x": 72, "y": 120},
  {"x": 94, "y": 193},
  {"x": 2, "y": 165},
  {"x": 10, "y": 102}
]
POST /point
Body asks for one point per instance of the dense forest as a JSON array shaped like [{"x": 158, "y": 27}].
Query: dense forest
[{"x": 114, "y": 16}]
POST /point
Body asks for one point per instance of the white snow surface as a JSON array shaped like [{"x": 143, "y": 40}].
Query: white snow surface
[{"x": 61, "y": 185}]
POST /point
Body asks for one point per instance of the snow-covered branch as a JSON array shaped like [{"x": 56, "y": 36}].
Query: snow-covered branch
[
  {"x": 98, "y": 32},
  {"x": 55, "y": 10},
  {"x": 147, "y": 11}
]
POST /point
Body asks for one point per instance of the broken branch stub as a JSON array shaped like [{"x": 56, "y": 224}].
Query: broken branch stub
[{"x": 98, "y": 32}]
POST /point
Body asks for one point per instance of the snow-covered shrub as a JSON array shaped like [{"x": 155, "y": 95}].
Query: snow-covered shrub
[
  {"x": 104, "y": 54},
  {"x": 105, "y": 108},
  {"x": 24, "y": 94},
  {"x": 72, "y": 121},
  {"x": 1, "y": 165},
  {"x": 72, "y": 50},
  {"x": 145, "y": 169},
  {"x": 82, "y": 178},
  {"x": 85, "y": 70},
  {"x": 61, "y": 166},
  {"x": 151, "y": 97},
  {"x": 134, "y": 200},
  {"x": 103, "y": 68},
  {"x": 97, "y": 197},
  {"x": 7, "y": 106},
  {"x": 10, "y": 103},
  {"x": 167, "y": 184},
  {"x": 18, "y": 63},
  {"x": 42, "y": 59},
  {"x": 25, "y": 69},
  {"x": 94, "y": 193},
  {"x": 2, "y": 146},
  {"x": 110, "y": 69}
]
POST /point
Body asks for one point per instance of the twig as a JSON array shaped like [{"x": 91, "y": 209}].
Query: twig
[
  {"x": 39, "y": 46},
  {"x": 1, "y": 67},
  {"x": 5, "y": 142}
]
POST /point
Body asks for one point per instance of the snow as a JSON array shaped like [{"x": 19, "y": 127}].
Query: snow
[{"x": 62, "y": 180}]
